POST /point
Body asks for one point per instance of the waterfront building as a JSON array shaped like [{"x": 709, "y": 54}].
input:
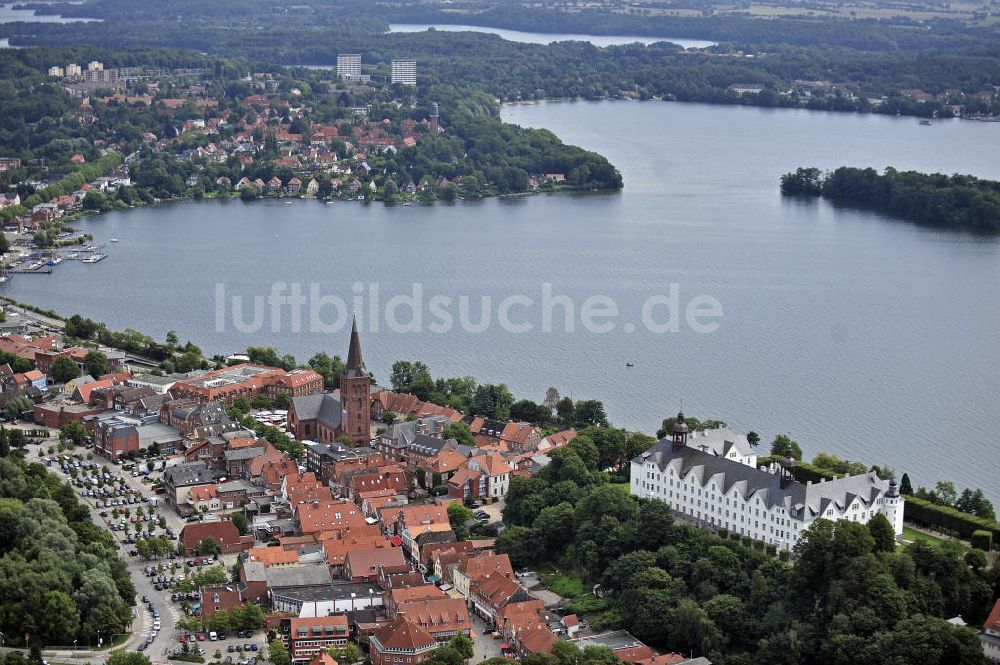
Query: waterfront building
[{"x": 715, "y": 483}]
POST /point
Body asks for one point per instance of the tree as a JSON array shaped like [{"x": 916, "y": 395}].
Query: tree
[
  {"x": 96, "y": 363},
  {"x": 555, "y": 525},
  {"x": 458, "y": 515},
  {"x": 460, "y": 432},
  {"x": 753, "y": 438},
  {"x": 345, "y": 655},
  {"x": 520, "y": 543},
  {"x": 462, "y": 645},
  {"x": 278, "y": 653},
  {"x": 974, "y": 502},
  {"x": 207, "y": 546},
  {"x": 883, "y": 533},
  {"x": 492, "y": 401},
  {"x": 905, "y": 487},
  {"x": 241, "y": 406},
  {"x": 590, "y": 413},
  {"x": 784, "y": 446},
  {"x": 74, "y": 432},
  {"x": 692, "y": 630},
  {"x": 128, "y": 658},
  {"x": 944, "y": 490},
  {"x": 566, "y": 412},
  {"x": 412, "y": 377},
  {"x": 240, "y": 522},
  {"x": 64, "y": 369},
  {"x": 61, "y": 618}
]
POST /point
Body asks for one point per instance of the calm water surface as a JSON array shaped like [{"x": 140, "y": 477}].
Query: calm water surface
[
  {"x": 10, "y": 15},
  {"x": 547, "y": 37},
  {"x": 859, "y": 335}
]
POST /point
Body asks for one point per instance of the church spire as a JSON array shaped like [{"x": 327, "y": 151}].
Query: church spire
[{"x": 355, "y": 363}]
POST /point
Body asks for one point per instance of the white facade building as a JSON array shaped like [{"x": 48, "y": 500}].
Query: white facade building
[
  {"x": 713, "y": 481},
  {"x": 349, "y": 66},
  {"x": 404, "y": 72},
  {"x": 990, "y": 637}
]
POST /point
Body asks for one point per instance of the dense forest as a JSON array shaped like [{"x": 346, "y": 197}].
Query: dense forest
[
  {"x": 61, "y": 579},
  {"x": 852, "y": 598},
  {"x": 956, "y": 201}
]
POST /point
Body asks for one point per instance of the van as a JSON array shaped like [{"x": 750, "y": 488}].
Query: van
[{"x": 213, "y": 636}]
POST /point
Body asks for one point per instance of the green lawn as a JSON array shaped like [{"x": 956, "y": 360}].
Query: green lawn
[
  {"x": 566, "y": 586},
  {"x": 912, "y": 534},
  {"x": 622, "y": 486}
]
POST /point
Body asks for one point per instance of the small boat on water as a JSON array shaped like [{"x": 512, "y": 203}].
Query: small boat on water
[
  {"x": 114, "y": 240},
  {"x": 90, "y": 248},
  {"x": 73, "y": 256},
  {"x": 95, "y": 258},
  {"x": 926, "y": 122},
  {"x": 629, "y": 365}
]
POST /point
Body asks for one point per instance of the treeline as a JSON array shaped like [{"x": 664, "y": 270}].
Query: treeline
[
  {"x": 61, "y": 579},
  {"x": 683, "y": 589},
  {"x": 956, "y": 201}
]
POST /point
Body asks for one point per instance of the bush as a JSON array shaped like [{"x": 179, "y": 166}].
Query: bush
[
  {"x": 734, "y": 536},
  {"x": 772, "y": 549},
  {"x": 783, "y": 555},
  {"x": 747, "y": 541},
  {"x": 982, "y": 540},
  {"x": 758, "y": 545},
  {"x": 723, "y": 533}
]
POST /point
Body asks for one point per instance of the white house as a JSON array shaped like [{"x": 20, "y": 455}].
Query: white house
[
  {"x": 707, "y": 486},
  {"x": 990, "y": 637}
]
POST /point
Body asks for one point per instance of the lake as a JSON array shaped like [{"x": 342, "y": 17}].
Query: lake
[
  {"x": 10, "y": 15},
  {"x": 859, "y": 335},
  {"x": 548, "y": 38}
]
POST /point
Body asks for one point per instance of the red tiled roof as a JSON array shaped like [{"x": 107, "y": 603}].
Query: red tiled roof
[{"x": 403, "y": 634}]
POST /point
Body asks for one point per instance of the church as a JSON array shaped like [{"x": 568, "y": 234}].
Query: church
[
  {"x": 711, "y": 479},
  {"x": 324, "y": 417}
]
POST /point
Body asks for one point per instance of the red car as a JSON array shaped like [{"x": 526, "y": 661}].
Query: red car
[
  {"x": 201, "y": 637},
  {"x": 183, "y": 638}
]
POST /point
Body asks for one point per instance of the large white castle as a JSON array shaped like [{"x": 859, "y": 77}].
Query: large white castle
[{"x": 711, "y": 478}]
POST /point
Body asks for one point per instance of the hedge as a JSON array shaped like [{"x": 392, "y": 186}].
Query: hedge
[
  {"x": 982, "y": 540},
  {"x": 948, "y": 519},
  {"x": 802, "y": 471}
]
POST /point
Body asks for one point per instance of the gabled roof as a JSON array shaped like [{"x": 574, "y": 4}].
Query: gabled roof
[
  {"x": 404, "y": 634},
  {"x": 321, "y": 407}
]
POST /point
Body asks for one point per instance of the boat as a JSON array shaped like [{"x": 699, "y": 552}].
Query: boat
[
  {"x": 95, "y": 258},
  {"x": 408, "y": 203},
  {"x": 926, "y": 122},
  {"x": 114, "y": 240},
  {"x": 629, "y": 365},
  {"x": 90, "y": 248},
  {"x": 72, "y": 256},
  {"x": 54, "y": 261}
]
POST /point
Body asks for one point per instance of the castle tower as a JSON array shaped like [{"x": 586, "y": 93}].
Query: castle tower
[
  {"x": 435, "y": 116},
  {"x": 679, "y": 432},
  {"x": 892, "y": 507},
  {"x": 355, "y": 393}
]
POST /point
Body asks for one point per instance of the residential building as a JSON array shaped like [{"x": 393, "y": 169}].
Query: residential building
[
  {"x": 349, "y": 66},
  {"x": 364, "y": 565},
  {"x": 442, "y": 618},
  {"x": 308, "y": 637},
  {"x": 223, "y": 532},
  {"x": 326, "y": 599},
  {"x": 404, "y": 72},
  {"x": 401, "y": 641},
  {"x": 245, "y": 380},
  {"x": 716, "y": 491},
  {"x": 990, "y": 637},
  {"x": 484, "y": 477}
]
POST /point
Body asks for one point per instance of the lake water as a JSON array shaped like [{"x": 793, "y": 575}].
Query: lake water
[
  {"x": 10, "y": 15},
  {"x": 859, "y": 335},
  {"x": 548, "y": 38}
]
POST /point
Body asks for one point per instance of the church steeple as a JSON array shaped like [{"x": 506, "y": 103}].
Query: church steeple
[
  {"x": 355, "y": 363},
  {"x": 355, "y": 393}
]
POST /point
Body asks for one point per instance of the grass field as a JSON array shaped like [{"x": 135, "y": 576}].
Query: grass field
[{"x": 912, "y": 534}]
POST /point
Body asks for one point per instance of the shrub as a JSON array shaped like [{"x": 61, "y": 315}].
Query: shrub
[
  {"x": 947, "y": 519},
  {"x": 783, "y": 555},
  {"x": 772, "y": 549},
  {"x": 734, "y": 536},
  {"x": 758, "y": 545},
  {"x": 747, "y": 541},
  {"x": 982, "y": 540},
  {"x": 723, "y": 533}
]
